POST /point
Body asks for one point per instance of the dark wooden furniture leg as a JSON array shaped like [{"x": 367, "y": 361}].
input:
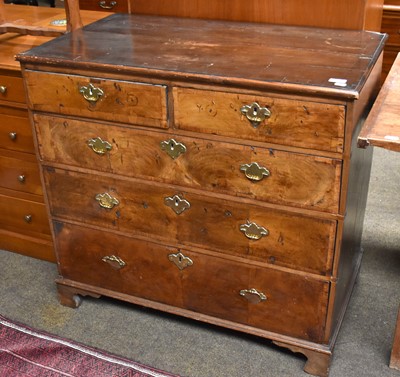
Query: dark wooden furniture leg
[{"x": 395, "y": 356}]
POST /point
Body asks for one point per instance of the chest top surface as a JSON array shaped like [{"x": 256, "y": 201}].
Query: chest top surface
[{"x": 264, "y": 56}]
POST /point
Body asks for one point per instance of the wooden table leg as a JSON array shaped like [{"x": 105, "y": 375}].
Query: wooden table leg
[{"x": 395, "y": 357}]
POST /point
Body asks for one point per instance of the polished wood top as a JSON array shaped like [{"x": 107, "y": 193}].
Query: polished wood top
[
  {"x": 12, "y": 43},
  {"x": 382, "y": 127},
  {"x": 318, "y": 61}
]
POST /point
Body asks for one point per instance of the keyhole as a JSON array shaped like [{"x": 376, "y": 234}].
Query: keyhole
[
  {"x": 176, "y": 202},
  {"x": 180, "y": 258},
  {"x": 255, "y": 111},
  {"x": 172, "y": 146}
]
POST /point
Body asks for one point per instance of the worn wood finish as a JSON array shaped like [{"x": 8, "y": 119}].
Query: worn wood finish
[
  {"x": 209, "y": 223},
  {"x": 382, "y": 128},
  {"x": 307, "y": 258},
  {"x": 149, "y": 273},
  {"x": 297, "y": 123},
  {"x": 356, "y": 14},
  {"x": 206, "y": 164},
  {"x": 16, "y": 143},
  {"x": 136, "y": 103}
]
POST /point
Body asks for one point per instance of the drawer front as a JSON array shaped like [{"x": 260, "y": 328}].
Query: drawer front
[
  {"x": 23, "y": 216},
  {"x": 280, "y": 177},
  {"x": 294, "y": 305},
  {"x": 121, "y": 101},
  {"x": 21, "y": 175},
  {"x": 303, "y": 124},
  {"x": 225, "y": 226},
  {"x": 12, "y": 89},
  {"x": 16, "y": 133},
  {"x": 105, "y": 5}
]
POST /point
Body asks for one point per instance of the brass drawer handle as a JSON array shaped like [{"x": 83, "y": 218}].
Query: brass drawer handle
[
  {"x": 253, "y": 231},
  {"x": 254, "y": 172},
  {"x": 173, "y": 148},
  {"x": 255, "y": 113},
  {"x": 253, "y": 296},
  {"x": 177, "y": 204},
  {"x": 115, "y": 262},
  {"x": 12, "y": 135},
  {"x": 99, "y": 146},
  {"x": 180, "y": 260},
  {"x": 91, "y": 93},
  {"x": 21, "y": 178},
  {"x": 104, "y": 5},
  {"x": 106, "y": 200},
  {"x": 3, "y": 89},
  {"x": 28, "y": 219}
]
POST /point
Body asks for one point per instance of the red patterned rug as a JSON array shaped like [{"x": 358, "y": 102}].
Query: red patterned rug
[{"x": 25, "y": 352}]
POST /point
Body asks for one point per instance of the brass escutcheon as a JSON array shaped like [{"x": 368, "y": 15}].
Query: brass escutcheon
[
  {"x": 253, "y": 231},
  {"x": 254, "y": 172},
  {"x": 255, "y": 113},
  {"x": 104, "y": 5},
  {"x": 106, "y": 200},
  {"x": 99, "y": 146},
  {"x": 177, "y": 204},
  {"x": 180, "y": 260},
  {"x": 253, "y": 296},
  {"x": 91, "y": 93},
  {"x": 114, "y": 261},
  {"x": 173, "y": 148}
]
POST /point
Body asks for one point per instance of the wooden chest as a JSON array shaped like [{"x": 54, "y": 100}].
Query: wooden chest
[
  {"x": 208, "y": 169},
  {"x": 24, "y": 224}
]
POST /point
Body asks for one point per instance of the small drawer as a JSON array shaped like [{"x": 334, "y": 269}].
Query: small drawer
[
  {"x": 16, "y": 133},
  {"x": 104, "y": 5},
  {"x": 169, "y": 215},
  {"x": 23, "y": 216},
  {"x": 20, "y": 174},
  {"x": 303, "y": 124},
  {"x": 12, "y": 89},
  {"x": 268, "y": 299},
  {"x": 119, "y": 101},
  {"x": 268, "y": 175}
]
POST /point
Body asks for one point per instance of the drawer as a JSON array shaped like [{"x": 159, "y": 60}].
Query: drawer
[
  {"x": 121, "y": 101},
  {"x": 12, "y": 89},
  {"x": 280, "y": 177},
  {"x": 104, "y": 5},
  {"x": 23, "y": 216},
  {"x": 20, "y": 174},
  {"x": 294, "y": 305},
  {"x": 303, "y": 124},
  {"x": 228, "y": 227},
  {"x": 16, "y": 133}
]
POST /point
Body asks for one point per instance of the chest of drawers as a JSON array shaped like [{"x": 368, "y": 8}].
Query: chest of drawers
[{"x": 210, "y": 174}]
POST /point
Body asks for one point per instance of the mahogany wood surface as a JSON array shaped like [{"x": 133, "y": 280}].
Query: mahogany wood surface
[
  {"x": 307, "y": 260},
  {"x": 382, "y": 127},
  {"x": 184, "y": 53},
  {"x": 340, "y": 14}
]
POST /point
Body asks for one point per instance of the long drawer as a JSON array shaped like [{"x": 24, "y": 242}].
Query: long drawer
[
  {"x": 299, "y": 123},
  {"x": 23, "y": 216},
  {"x": 272, "y": 300},
  {"x": 119, "y": 101},
  {"x": 161, "y": 212},
  {"x": 262, "y": 174},
  {"x": 20, "y": 174}
]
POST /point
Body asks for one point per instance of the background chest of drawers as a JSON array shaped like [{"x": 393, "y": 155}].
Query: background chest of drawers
[
  {"x": 391, "y": 26},
  {"x": 227, "y": 190}
]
